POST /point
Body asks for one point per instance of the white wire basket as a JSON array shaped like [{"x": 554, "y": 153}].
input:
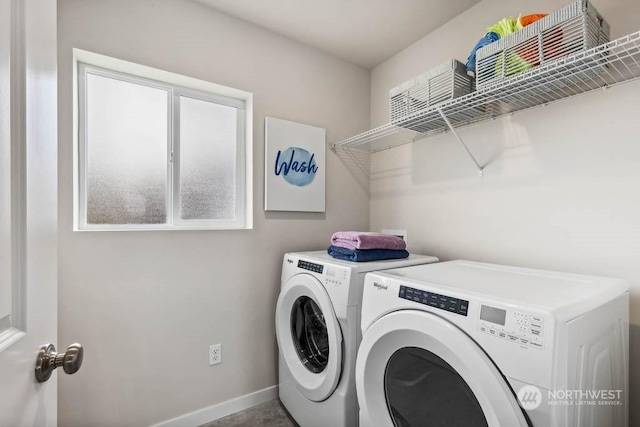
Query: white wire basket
[
  {"x": 442, "y": 83},
  {"x": 574, "y": 28}
]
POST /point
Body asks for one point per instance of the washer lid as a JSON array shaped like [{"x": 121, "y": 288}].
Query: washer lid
[
  {"x": 309, "y": 336},
  {"x": 472, "y": 383}
]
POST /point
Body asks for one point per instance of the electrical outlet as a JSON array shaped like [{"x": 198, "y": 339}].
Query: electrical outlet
[{"x": 215, "y": 354}]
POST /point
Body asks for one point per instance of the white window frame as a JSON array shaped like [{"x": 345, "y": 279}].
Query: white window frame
[{"x": 177, "y": 86}]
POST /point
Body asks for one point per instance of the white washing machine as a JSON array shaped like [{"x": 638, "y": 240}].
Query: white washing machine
[
  {"x": 470, "y": 344},
  {"x": 318, "y": 332}
]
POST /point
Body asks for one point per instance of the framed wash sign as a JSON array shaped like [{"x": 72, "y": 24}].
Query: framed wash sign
[{"x": 294, "y": 166}]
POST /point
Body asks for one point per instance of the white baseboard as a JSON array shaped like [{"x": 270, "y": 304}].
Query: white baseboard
[{"x": 212, "y": 413}]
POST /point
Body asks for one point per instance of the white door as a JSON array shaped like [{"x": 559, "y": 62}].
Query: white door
[
  {"x": 309, "y": 336},
  {"x": 28, "y": 208},
  {"x": 414, "y": 366}
]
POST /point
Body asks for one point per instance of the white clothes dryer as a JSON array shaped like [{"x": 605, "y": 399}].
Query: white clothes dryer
[
  {"x": 318, "y": 332},
  {"x": 470, "y": 344}
]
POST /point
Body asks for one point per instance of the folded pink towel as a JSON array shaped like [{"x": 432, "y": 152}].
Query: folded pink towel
[{"x": 366, "y": 240}]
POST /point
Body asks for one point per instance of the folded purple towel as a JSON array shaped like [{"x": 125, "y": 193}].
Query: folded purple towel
[{"x": 366, "y": 240}]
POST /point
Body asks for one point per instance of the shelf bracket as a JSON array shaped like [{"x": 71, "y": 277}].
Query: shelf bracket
[{"x": 453, "y": 131}]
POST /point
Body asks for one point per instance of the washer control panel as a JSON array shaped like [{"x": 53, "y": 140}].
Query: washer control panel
[
  {"x": 330, "y": 275},
  {"x": 336, "y": 276},
  {"x": 519, "y": 327},
  {"x": 306, "y": 265},
  {"x": 443, "y": 302}
]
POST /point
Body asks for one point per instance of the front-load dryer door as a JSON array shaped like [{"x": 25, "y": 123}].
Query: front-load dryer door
[
  {"x": 415, "y": 369},
  {"x": 309, "y": 336}
]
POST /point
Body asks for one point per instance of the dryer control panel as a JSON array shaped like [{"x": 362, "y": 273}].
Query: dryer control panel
[
  {"x": 515, "y": 326},
  {"x": 443, "y": 302}
]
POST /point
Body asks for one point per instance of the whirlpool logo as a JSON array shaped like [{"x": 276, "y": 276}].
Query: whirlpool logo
[{"x": 380, "y": 286}]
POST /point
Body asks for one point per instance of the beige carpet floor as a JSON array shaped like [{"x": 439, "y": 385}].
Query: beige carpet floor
[{"x": 270, "y": 414}]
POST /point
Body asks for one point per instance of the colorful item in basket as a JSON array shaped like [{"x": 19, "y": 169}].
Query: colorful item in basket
[
  {"x": 366, "y": 240},
  {"x": 522, "y": 60},
  {"x": 504, "y": 27},
  {"x": 523, "y": 21},
  {"x": 529, "y": 54},
  {"x": 488, "y": 38},
  {"x": 552, "y": 40},
  {"x": 358, "y": 255},
  {"x": 494, "y": 33}
]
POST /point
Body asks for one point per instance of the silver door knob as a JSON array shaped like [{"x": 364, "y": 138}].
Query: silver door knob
[{"x": 48, "y": 360}]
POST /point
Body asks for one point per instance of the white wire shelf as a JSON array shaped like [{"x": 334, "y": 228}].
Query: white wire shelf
[{"x": 603, "y": 66}]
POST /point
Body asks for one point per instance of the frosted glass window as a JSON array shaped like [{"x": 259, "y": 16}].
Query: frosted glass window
[
  {"x": 208, "y": 134},
  {"x": 156, "y": 155},
  {"x": 126, "y": 152}
]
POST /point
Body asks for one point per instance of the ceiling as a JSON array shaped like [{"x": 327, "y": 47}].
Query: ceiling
[{"x": 364, "y": 32}]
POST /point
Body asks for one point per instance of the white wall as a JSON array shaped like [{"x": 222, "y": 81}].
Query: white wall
[
  {"x": 560, "y": 189},
  {"x": 146, "y": 305}
]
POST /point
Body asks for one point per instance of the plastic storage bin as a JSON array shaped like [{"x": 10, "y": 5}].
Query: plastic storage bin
[
  {"x": 574, "y": 28},
  {"x": 447, "y": 81}
]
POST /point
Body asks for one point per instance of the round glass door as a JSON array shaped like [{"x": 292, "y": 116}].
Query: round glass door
[
  {"x": 418, "y": 369},
  {"x": 421, "y": 386},
  {"x": 310, "y": 335}
]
